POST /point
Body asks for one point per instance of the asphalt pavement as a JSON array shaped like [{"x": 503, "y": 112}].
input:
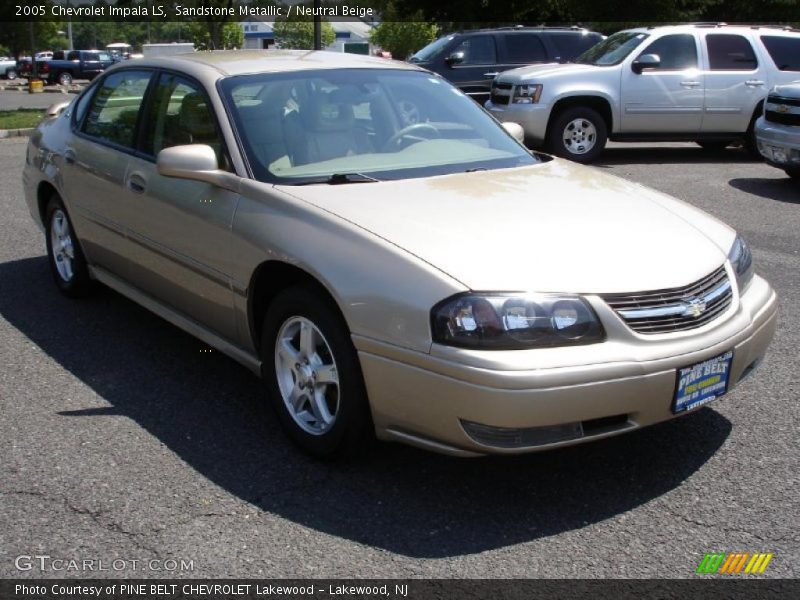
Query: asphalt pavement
[
  {"x": 13, "y": 99},
  {"x": 121, "y": 440}
]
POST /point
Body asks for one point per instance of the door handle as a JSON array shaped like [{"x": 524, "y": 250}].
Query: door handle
[
  {"x": 137, "y": 184},
  {"x": 491, "y": 75},
  {"x": 690, "y": 84},
  {"x": 754, "y": 83}
]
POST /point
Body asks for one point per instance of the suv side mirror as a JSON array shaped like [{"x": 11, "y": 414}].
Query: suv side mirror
[
  {"x": 197, "y": 162},
  {"x": 645, "y": 61},
  {"x": 456, "y": 58}
]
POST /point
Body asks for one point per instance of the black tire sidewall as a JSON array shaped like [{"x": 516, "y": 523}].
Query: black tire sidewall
[
  {"x": 556, "y": 144},
  {"x": 353, "y": 423},
  {"x": 80, "y": 284}
]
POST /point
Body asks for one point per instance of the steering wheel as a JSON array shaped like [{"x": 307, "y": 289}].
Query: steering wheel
[{"x": 408, "y": 132}]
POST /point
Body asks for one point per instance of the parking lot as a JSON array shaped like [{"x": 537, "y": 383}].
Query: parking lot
[{"x": 122, "y": 440}]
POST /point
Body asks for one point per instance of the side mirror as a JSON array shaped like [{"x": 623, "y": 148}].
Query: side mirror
[
  {"x": 456, "y": 58},
  {"x": 515, "y": 129},
  {"x": 197, "y": 162},
  {"x": 645, "y": 61},
  {"x": 56, "y": 109}
]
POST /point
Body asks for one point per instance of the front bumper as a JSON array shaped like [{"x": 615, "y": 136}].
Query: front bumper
[
  {"x": 783, "y": 138},
  {"x": 431, "y": 401},
  {"x": 532, "y": 118}
]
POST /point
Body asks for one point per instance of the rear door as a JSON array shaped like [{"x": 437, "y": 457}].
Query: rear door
[
  {"x": 520, "y": 48},
  {"x": 95, "y": 163},
  {"x": 735, "y": 83},
  {"x": 668, "y": 98},
  {"x": 569, "y": 45}
]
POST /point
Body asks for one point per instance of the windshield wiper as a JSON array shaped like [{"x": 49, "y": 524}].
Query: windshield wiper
[{"x": 339, "y": 179}]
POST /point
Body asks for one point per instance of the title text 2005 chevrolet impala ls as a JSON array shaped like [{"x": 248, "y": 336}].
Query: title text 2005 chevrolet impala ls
[{"x": 418, "y": 274}]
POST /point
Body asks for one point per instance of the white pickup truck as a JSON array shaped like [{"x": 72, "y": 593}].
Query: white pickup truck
[
  {"x": 8, "y": 68},
  {"x": 699, "y": 82}
]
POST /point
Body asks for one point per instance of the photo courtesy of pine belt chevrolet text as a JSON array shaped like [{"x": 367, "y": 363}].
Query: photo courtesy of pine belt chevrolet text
[{"x": 419, "y": 277}]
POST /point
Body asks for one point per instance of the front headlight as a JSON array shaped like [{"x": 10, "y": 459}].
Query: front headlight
[
  {"x": 527, "y": 93},
  {"x": 742, "y": 262},
  {"x": 515, "y": 321}
]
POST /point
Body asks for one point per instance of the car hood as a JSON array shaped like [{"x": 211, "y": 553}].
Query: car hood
[
  {"x": 536, "y": 73},
  {"x": 552, "y": 227},
  {"x": 788, "y": 90}
]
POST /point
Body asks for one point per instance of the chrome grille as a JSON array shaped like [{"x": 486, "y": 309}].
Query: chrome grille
[{"x": 677, "y": 309}]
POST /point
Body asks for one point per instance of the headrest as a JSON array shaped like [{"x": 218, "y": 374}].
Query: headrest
[
  {"x": 195, "y": 117},
  {"x": 328, "y": 112}
]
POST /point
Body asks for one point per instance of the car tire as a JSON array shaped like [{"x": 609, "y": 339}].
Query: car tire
[
  {"x": 11, "y": 74},
  {"x": 64, "y": 78},
  {"x": 713, "y": 146},
  {"x": 67, "y": 261},
  {"x": 313, "y": 375},
  {"x": 793, "y": 173},
  {"x": 579, "y": 134}
]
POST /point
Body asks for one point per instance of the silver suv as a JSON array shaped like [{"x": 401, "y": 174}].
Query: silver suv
[{"x": 696, "y": 82}]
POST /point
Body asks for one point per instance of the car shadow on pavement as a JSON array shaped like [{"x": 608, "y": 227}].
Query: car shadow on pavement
[
  {"x": 207, "y": 410},
  {"x": 637, "y": 154},
  {"x": 783, "y": 189}
]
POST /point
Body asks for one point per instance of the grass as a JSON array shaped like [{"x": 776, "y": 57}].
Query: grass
[{"x": 20, "y": 119}]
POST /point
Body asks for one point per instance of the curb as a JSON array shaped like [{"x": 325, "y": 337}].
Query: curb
[{"x": 9, "y": 133}]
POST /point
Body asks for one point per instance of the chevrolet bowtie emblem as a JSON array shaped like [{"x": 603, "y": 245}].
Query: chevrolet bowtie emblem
[
  {"x": 782, "y": 108},
  {"x": 694, "y": 307}
]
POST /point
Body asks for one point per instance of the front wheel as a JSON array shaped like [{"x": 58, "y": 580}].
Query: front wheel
[
  {"x": 11, "y": 74},
  {"x": 67, "y": 263},
  {"x": 579, "y": 134},
  {"x": 313, "y": 376}
]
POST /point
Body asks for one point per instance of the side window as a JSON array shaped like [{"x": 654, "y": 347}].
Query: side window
[
  {"x": 478, "y": 50},
  {"x": 571, "y": 45},
  {"x": 730, "y": 52},
  {"x": 74, "y": 56},
  {"x": 785, "y": 51},
  {"x": 677, "y": 52},
  {"x": 82, "y": 104},
  {"x": 115, "y": 107},
  {"x": 524, "y": 48},
  {"x": 181, "y": 115}
]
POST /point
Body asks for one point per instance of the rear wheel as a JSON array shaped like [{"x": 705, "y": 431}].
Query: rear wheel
[
  {"x": 67, "y": 263},
  {"x": 313, "y": 376},
  {"x": 579, "y": 134}
]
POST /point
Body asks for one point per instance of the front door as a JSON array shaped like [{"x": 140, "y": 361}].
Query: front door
[
  {"x": 667, "y": 98},
  {"x": 478, "y": 67}
]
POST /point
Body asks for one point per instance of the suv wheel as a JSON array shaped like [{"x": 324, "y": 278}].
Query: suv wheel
[
  {"x": 578, "y": 134},
  {"x": 64, "y": 78},
  {"x": 313, "y": 376}
]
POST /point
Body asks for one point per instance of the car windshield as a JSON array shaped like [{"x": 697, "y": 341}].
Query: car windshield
[
  {"x": 613, "y": 49},
  {"x": 429, "y": 51},
  {"x": 360, "y": 125}
]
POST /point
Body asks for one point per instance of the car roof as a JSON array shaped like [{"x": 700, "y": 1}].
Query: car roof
[
  {"x": 720, "y": 27},
  {"x": 223, "y": 63}
]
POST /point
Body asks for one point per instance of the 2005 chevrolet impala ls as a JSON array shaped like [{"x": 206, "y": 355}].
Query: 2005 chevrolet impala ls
[{"x": 388, "y": 257}]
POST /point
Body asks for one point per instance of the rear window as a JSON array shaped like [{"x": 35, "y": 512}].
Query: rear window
[
  {"x": 728, "y": 52},
  {"x": 785, "y": 51},
  {"x": 571, "y": 45},
  {"x": 524, "y": 48}
]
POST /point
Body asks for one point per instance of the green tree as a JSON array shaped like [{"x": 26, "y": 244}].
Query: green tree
[
  {"x": 298, "y": 34},
  {"x": 229, "y": 35},
  {"x": 403, "y": 38}
]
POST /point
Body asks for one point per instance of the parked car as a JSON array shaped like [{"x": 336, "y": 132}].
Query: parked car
[
  {"x": 8, "y": 68},
  {"x": 778, "y": 130},
  {"x": 411, "y": 281},
  {"x": 472, "y": 59},
  {"x": 704, "y": 83},
  {"x": 66, "y": 66}
]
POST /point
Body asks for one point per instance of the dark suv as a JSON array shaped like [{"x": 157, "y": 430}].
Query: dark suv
[{"x": 471, "y": 59}]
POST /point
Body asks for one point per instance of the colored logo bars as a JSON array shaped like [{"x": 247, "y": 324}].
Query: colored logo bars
[{"x": 734, "y": 562}]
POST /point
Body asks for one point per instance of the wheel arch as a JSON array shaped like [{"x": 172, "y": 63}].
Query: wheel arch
[
  {"x": 44, "y": 192},
  {"x": 269, "y": 279},
  {"x": 596, "y": 102}
]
